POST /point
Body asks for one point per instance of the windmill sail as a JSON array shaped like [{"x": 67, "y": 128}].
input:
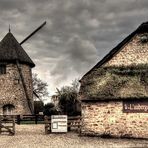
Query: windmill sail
[
  {"x": 29, "y": 36},
  {"x": 25, "y": 88},
  {"x": 20, "y": 72}
]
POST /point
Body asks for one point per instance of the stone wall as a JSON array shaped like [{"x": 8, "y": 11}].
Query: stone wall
[
  {"x": 12, "y": 91},
  {"x": 107, "y": 119},
  {"x": 133, "y": 53}
]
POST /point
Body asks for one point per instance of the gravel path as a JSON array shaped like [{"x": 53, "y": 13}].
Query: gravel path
[{"x": 32, "y": 136}]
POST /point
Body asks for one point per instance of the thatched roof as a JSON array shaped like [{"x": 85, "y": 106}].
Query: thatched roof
[
  {"x": 141, "y": 29},
  {"x": 116, "y": 83},
  {"x": 11, "y": 50}
]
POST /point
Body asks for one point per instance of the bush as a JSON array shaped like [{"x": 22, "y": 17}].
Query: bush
[
  {"x": 38, "y": 107},
  {"x": 49, "y": 109}
]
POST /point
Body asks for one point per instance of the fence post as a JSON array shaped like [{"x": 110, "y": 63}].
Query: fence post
[
  {"x": 0, "y": 124},
  {"x": 18, "y": 119},
  {"x": 47, "y": 124},
  {"x": 80, "y": 125},
  {"x": 13, "y": 126},
  {"x": 36, "y": 119}
]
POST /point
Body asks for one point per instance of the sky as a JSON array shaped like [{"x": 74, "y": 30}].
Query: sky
[{"x": 77, "y": 35}]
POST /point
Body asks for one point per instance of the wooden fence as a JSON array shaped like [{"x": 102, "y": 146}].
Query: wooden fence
[
  {"x": 7, "y": 124},
  {"x": 29, "y": 119},
  {"x": 74, "y": 122}
]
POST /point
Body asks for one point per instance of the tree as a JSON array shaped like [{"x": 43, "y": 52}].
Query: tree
[
  {"x": 39, "y": 87},
  {"x": 49, "y": 109},
  {"x": 38, "y": 107},
  {"x": 75, "y": 85},
  {"x": 68, "y": 99}
]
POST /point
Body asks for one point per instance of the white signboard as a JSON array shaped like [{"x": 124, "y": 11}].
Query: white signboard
[{"x": 59, "y": 123}]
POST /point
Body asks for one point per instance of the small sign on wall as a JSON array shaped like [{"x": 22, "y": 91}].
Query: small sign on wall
[
  {"x": 59, "y": 123},
  {"x": 135, "y": 106}
]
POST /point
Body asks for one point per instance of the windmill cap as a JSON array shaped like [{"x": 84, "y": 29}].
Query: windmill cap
[{"x": 11, "y": 50}]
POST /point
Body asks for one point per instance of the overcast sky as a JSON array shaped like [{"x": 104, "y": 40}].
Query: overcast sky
[{"x": 77, "y": 35}]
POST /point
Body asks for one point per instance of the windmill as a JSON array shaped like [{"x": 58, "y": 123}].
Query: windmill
[{"x": 15, "y": 76}]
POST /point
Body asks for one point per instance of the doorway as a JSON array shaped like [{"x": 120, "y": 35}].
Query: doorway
[{"x": 8, "y": 109}]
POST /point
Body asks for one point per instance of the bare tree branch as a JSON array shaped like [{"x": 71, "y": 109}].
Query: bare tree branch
[{"x": 39, "y": 87}]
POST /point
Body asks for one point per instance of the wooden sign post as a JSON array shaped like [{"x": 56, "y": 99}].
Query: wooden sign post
[{"x": 59, "y": 123}]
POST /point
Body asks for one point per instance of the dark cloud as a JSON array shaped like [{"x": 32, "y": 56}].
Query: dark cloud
[{"x": 78, "y": 32}]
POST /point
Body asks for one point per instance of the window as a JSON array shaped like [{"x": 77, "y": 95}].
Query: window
[
  {"x": 2, "y": 69},
  {"x": 8, "y": 109}
]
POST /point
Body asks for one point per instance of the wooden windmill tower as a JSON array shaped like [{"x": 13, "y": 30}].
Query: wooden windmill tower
[{"x": 16, "y": 90}]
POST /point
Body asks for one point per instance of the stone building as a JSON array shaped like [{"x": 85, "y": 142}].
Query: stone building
[
  {"x": 16, "y": 90},
  {"x": 114, "y": 93}
]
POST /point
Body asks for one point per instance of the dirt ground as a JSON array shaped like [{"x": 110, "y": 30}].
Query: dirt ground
[{"x": 33, "y": 136}]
